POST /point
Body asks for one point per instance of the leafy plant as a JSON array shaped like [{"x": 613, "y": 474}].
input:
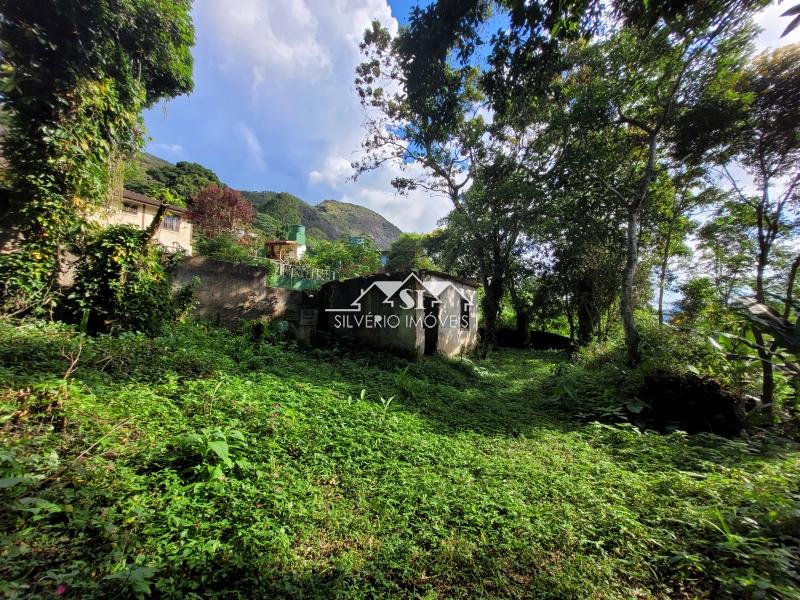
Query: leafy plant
[
  {"x": 219, "y": 450},
  {"x": 122, "y": 283}
]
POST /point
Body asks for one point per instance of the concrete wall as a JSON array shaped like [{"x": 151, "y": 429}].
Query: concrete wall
[
  {"x": 455, "y": 340},
  {"x": 408, "y": 337},
  {"x": 230, "y": 292},
  {"x": 341, "y": 294}
]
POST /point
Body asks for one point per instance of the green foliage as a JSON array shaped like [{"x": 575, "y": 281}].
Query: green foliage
[
  {"x": 183, "y": 179},
  {"x": 74, "y": 95},
  {"x": 216, "y": 451},
  {"x": 698, "y": 299},
  {"x": 228, "y": 248},
  {"x": 123, "y": 283},
  {"x": 281, "y": 206},
  {"x": 204, "y": 463},
  {"x": 345, "y": 257},
  {"x": 408, "y": 253}
]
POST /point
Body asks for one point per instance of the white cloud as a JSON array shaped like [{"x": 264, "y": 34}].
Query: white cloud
[
  {"x": 418, "y": 211},
  {"x": 168, "y": 149},
  {"x": 256, "y": 152},
  {"x": 334, "y": 173},
  {"x": 268, "y": 37},
  {"x": 289, "y": 67}
]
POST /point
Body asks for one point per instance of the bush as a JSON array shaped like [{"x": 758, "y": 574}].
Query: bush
[
  {"x": 227, "y": 248},
  {"x": 122, "y": 285},
  {"x": 599, "y": 383}
]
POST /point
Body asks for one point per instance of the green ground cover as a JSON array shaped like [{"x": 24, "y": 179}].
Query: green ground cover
[{"x": 205, "y": 463}]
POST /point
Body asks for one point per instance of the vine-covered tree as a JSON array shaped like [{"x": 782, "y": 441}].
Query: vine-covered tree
[{"x": 76, "y": 76}]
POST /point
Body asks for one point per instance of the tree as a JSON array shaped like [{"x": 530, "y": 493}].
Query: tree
[
  {"x": 632, "y": 84},
  {"x": 698, "y": 296},
  {"x": 217, "y": 210},
  {"x": 186, "y": 179},
  {"x": 638, "y": 88},
  {"x": 429, "y": 122},
  {"x": 407, "y": 253},
  {"x": 75, "y": 78},
  {"x": 583, "y": 235},
  {"x": 727, "y": 250},
  {"x": 346, "y": 258},
  {"x": 766, "y": 146},
  {"x": 687, "y": 194}
]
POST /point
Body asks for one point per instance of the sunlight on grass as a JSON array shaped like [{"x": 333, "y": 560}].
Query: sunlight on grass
[{"x": 200, "y": 462}]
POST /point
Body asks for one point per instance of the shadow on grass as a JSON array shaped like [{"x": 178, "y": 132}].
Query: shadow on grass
[{"x": 512, "y": 393}]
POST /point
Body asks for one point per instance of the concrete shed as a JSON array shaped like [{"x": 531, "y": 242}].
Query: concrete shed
[{"x": 413, "y": 312}]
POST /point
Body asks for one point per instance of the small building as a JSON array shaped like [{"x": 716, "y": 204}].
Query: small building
[
  {"x": 413, "y": 312},
  {"x": 292, "y": 249},
  {"x": 132, "y": 208}
]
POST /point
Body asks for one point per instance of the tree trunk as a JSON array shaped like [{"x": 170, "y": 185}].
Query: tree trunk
[
  {"x": 523, "y": 316},
  {"x": 588, "y": 317},
  {"x": 151, "y": 230},
  {"x": 767, "y": 376},
  {"x": 628, "y": 277},
  {"x": 662, "y": 276},
  {"x": 570, "y": 321},
  {"x": 491, "y": 306}
]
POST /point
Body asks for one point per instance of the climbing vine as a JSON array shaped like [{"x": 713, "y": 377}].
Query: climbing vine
[
  {"x": 74, "y": 78},
  {"x": 61, "y": 171}
]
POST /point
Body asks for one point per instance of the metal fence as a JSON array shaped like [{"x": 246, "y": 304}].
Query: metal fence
[{"x": 295, "y": 271}]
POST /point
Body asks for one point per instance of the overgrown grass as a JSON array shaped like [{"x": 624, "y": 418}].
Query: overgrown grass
[{"x": 202, "y": 463}]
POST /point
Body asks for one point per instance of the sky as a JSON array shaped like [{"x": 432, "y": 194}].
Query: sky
[{"x": 274, "y": 105}]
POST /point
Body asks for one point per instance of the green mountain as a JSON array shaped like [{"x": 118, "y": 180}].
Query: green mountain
[
  {"x": 328, "y": 220},
  {"x": 137, "y": 177}
]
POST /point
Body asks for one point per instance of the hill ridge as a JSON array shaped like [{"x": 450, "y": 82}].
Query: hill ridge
[{"x": 329, "y": 219}]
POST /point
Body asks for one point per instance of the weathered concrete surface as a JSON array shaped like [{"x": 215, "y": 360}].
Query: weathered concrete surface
[
  {"x": 383, "y": 322},
  {"x": 454, "y": 338},
  {"x": 230, "y": 292}
]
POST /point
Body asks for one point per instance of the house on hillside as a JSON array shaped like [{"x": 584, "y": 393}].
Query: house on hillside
[
  {"x": 132, "y": 208},
  {"x": 292, "y": 249},
  {"x": 414, "y": 312}
]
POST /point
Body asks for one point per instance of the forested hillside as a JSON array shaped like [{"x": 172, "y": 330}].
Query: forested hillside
[{"x": 328, "y": 220}]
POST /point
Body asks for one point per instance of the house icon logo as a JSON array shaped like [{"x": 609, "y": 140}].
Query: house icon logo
[{"x": 403, "y": 294}]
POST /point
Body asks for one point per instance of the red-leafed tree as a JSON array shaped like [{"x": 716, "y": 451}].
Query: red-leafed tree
[{"x": 218, "y": 210}]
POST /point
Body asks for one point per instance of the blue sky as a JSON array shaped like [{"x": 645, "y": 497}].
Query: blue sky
[{"x": 274, "y": 107}]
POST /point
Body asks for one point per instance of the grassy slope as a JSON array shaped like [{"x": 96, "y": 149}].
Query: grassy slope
[{"x": 470, "y": 482}]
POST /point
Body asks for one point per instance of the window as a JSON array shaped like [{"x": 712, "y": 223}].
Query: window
[
  {"x": 130, "y": 208},
  {"x": 171, "y": 222},
  {"x": 464, "y": 320}
]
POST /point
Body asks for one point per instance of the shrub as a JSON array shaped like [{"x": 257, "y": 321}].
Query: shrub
[
  {"x": 122, "y": 282},
  {"x": 227, "y": 248}
]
